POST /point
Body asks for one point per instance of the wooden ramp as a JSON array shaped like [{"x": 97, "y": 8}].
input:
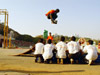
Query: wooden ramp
[
  {"x": 28, "y": 53},
  {"x": 16, "y": 52},
  {"x": 25, "y": 53}
]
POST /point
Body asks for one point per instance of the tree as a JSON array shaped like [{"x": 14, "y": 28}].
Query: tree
[{"x": 27, "y": 38}]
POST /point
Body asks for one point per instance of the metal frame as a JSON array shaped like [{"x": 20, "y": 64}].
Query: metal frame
[{"x": 5, "y": 12}]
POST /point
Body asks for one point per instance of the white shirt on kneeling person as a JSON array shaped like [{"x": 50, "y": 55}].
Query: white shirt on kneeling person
[
  {"x": 61, "y": 49},
  {"x": 92, "y": 52},
  {"x": 48, "y": 48},
  {"x": 73, "y": 47},
  {"x": 39, "y": 48}
]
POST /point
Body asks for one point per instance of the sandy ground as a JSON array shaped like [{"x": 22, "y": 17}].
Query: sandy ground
[{"x": 17, "y": 65}]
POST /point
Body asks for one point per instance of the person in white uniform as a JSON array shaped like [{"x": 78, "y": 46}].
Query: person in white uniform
[
  {"x": 74, "y": 50},
  {"x": 39, "y": 50},
  {"x": 48, "y": 51},
  {"x": 61, "y": 48},
  {"x": 91, "y": 51},
  {"x": 82, "y": 43}
]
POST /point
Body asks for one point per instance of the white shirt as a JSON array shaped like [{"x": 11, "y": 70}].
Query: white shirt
[
  {"x": 39, "y": 48},
  {"x": 61, "y": 49},
  {"x": 48, "y": 48},
  {"x": 73, "y": 47},
  {"x": 81, "y": 46},
  {"x": 92, "y": 52}
]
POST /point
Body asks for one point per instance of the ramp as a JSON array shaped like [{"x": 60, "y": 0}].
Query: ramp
[
  {"x": 23, "y": 52},
  {"x": 15, "y": 52},
  {"x": 28, "y": 53}
]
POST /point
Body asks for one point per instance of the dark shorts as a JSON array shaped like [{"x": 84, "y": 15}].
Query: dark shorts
[
  {"x": 39, "y": 56},
  {"x": 74, "y": 56},
  {"x": 54, "y": 16}
]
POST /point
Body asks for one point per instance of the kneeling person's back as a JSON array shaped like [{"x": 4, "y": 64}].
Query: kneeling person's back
[
  {"x": 39, "y": 47},
  {"x": 61, "y": 48},
  {"x": 39, "y": 51},
  {"x": 74, "y": 50},
  {"x": 91, "y": 51},
  {"x": 73, "y": 47},
  {"x": 48, "y": 48}
]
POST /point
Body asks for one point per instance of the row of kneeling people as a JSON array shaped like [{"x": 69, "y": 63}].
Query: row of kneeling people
[{"x": 65, "y": 53}]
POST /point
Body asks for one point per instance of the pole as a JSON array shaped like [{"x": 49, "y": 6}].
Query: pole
[
  {"x": 7, "y": 32},
  {"x": 9, "y": 42},
  {"x": 4, "y": 30}
]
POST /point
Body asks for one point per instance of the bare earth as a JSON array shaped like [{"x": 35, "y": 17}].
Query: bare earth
[{"x": 17, "y": 65}]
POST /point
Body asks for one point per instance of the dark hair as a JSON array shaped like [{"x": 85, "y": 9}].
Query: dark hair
[
  {"x": 73, "y": 38},
  {"x": 90, "y": 42},
  {"x": 62, "y": 38},
  {"x": 41, "y": 40},
  {"x": 57, "y": 10},
  {"x": 49, "y": 32},
  {"x": 49, "y": 41}
]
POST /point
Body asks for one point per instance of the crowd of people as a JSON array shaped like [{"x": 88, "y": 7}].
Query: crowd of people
[{"x": 62, "y": 52}]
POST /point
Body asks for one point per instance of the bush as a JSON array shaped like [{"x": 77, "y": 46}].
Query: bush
[{"x": 27, "y": 38}]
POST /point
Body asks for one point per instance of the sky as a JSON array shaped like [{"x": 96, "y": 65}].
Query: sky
[{"x": 76, "y": 17}]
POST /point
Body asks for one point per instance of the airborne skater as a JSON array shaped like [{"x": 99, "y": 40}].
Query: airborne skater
[{"x": 52, "y": 14}]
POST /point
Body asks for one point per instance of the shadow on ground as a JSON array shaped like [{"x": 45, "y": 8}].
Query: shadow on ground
[{"x": 21, "y": 71}]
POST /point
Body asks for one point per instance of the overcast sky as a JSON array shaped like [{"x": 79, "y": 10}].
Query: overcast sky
[{"x": 80, "y": 17}]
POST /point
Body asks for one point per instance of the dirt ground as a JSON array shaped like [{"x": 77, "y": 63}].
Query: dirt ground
[{"x": 17, "y": 65}]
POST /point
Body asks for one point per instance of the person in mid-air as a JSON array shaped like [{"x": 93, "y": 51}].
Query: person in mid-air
[{"x": 52, "y": 14}]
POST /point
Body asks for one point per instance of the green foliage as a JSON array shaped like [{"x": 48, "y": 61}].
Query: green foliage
[
  {"x": 96, "y": 41},
  {"x": 16, "y": 34},
  {"x": 27, "y": 38},
  {"x": 87, "y": 39},
  {"x": 36, "y": 40}
]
